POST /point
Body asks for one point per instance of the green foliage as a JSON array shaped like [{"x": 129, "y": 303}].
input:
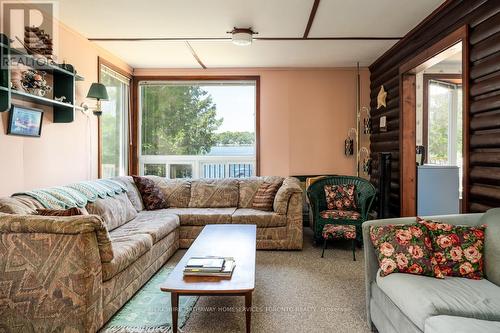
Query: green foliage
[
  {"x": 177, "y": 120},
  {"x": 235, "y": 138}
]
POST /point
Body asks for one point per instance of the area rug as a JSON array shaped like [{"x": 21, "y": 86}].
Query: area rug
[{"x": 149, "y": 310}]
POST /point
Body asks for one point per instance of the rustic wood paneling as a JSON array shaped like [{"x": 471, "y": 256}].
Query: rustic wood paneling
[{"x": 483, "y": 17}]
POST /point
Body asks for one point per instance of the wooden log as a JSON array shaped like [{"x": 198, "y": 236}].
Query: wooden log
[
  {"x": 483, "y": 13},
  {"x": 491, "y": 140},
  {"x": 486, "y": 29},
  {"x": 486, "y": 86},
  {"x": 485, "y": 158},
  {"x": 485, "y": 48},
  {"x": 486, "y": 104},
  {"x": 391, "y": 102},
  {"x": 486, "y": 66},
  {"x": 383, "y": 78},
  {"x": 394, "y": 82},
  {"x": 476, "y": 207},
  {"x": 384, "y": 146},
  {"x": 392, "y": 125},
  {"x": 485, "y": 122},
  {"x": 390, "y": 114},
  {"x": 485, "y": 175},
  {"x": 483, "y": 191},
  {"x": 485, "y": 96},
  {"x": 386, "y": 136}
]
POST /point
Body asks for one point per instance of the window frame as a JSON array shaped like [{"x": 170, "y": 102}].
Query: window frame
[
  {"x": 453, "y": 79},
  {"x": 127, "y": 148},
  {"x": 135, "y": 113}
]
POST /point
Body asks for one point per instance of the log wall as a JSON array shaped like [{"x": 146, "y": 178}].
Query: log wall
[{"x": 483, "y": 20}]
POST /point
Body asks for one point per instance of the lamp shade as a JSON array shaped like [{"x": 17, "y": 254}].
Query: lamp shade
[{"x": 98, "y": 91}]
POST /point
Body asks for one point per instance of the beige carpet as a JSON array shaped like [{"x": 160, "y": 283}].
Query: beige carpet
[{"x": 296, "y": 291}]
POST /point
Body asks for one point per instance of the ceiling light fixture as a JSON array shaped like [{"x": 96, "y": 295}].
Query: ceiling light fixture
[{"x": 242, "y": 36}]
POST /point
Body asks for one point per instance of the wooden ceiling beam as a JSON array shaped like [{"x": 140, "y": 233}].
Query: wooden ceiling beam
[{"x": 311, "y": 18}]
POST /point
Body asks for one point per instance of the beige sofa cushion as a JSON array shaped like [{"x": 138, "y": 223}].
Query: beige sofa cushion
[
  {"x": 290, "y": 186},
  {"x": 203, "y": 216},
  {"x": 177, "y": 191},
  {"x": 156, "y": 223},
  {"x": 260, "y": 218},
  {"x": 214, "y": 193},
  {"x": 132, "y": 192},
  {"x": 115, "y": 211},
  {"x": 248, "y": 188},
  {"x": 20, "y": 204},
  {"x": 126, "y": 250}
]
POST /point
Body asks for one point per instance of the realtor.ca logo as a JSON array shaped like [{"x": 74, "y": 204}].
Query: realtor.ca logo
[{"x": 28, "y": 28}]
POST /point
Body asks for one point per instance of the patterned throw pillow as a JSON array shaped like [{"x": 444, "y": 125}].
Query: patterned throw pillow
[
  {"x": 61, "y": 212},
  {"x": 458, "y": 249},
  {"x": 264, "y": 198},
  {"x": 152, "y": 197},
  {"x": 341, "y": 197},
  {"x": 402, "y": 249}
]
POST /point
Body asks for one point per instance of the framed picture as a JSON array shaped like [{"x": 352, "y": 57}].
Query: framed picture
[{"x": 25, "y": 121}]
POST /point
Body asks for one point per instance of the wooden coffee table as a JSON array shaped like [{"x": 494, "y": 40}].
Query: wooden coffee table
[{"x": 226, "y": 240}]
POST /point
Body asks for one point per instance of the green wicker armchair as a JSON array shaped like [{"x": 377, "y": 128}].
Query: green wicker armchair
[{"x": 365, "y": 194}]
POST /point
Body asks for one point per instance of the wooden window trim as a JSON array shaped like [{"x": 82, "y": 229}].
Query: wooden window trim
[
  {"x": 113, "y": 67},
  {"x": 134, "y": 151}
]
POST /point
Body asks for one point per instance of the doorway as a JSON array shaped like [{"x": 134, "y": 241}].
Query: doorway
[{"x": 434, "y": 131}]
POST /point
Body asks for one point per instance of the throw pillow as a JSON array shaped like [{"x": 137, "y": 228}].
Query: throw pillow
[
  {"x": 264, "y": 198},
  {"x": 458, "y": 249},
  {"x": 152, "y": 196},
  {"x": 61, "y": 212},
  {"x": 341, "y": 197},
  {"x": 402, "y": 249}
]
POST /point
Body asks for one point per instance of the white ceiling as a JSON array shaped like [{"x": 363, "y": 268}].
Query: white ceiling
[{"x": 276, "y": 18}]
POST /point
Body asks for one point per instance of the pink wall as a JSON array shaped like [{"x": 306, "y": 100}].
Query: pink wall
[
  {"x": 65, "y": 152},
  {"x": 304, "y": 116}
]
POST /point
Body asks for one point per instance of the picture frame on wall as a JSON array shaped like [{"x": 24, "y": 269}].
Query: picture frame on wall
[{"x": 24, "y": 121}]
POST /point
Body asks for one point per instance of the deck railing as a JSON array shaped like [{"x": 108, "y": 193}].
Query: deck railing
[{"x": 197, "y": 166}]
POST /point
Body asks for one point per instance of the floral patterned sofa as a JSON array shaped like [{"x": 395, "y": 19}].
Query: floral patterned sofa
[
  {"x": 73, "y": 273},
  {"x": 413, "y": 303}
]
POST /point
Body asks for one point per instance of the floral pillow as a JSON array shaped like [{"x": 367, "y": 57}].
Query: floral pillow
[
  {"x": 458, "y": 249},
  {"x": 402, "y": 249},
  {"x": 340, "y": 197}
]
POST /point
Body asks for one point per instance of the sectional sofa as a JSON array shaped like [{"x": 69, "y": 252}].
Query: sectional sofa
[
  {"x": 73, "y": 273},
  {"x": 405, "y": 303}
]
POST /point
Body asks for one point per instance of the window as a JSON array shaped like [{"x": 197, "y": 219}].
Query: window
[
  {"x": 114, "y": 124},
  {"x": 198, "y": 129},
  {"x": 445, "y": 125}
]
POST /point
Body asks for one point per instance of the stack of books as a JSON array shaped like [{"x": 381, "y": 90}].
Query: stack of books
[{"x": 210, "y": 266}]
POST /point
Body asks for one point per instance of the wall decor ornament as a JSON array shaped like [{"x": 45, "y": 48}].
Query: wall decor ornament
[
  {"x": 349, "y": 142},
  {"x": 381, "y": 97},
  {"x": 34, "y": 82}
]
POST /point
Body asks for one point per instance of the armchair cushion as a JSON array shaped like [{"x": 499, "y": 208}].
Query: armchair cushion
[
  {"x": 341, "y": 197},
  {"x": 339, "y": 231},
  {"x": 340, "y": 214}
]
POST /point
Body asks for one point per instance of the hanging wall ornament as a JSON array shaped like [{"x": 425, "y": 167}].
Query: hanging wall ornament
[{"x": 382, "y": 95}]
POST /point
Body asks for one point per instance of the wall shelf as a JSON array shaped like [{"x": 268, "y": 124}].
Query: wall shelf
[{"x": 64, "y": 82}]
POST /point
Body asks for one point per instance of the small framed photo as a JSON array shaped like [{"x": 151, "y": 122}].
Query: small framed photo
[{"x": 25, "y": 121}]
